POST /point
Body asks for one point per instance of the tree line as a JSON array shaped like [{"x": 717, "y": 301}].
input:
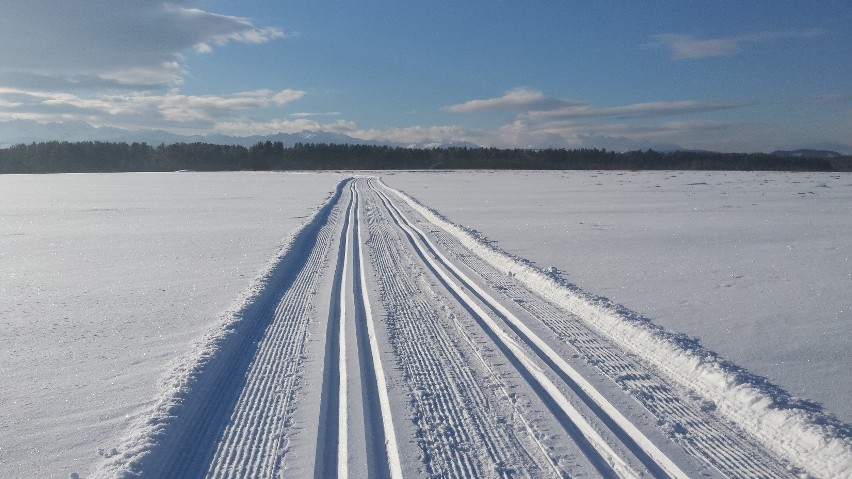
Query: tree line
[{"x": 90, "y": 157}]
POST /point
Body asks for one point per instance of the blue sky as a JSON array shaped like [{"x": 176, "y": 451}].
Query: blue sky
[{"x": 728, "y": 76}]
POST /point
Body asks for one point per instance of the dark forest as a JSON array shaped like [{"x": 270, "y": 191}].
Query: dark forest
[{"x": 86, "y": 157}]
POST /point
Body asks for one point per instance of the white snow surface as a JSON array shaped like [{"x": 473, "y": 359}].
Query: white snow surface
[
  {"x": 105, "y": 280},
  {"x": 754, "y": 264},
  {"x": 114, "y": 288}
]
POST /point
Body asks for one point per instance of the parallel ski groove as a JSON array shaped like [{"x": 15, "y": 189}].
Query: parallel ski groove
[
  {"x": 598, "y": 449},
  {"x": 373, "y": 355},
  {"x": 343, "y": 393},
  {"x": 442, "y": 385},
  {"x": 711, "y": 439},
  {"x": 332, "y": 441}
]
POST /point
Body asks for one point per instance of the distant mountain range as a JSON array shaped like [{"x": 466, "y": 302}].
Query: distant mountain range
[{"x": 15, "y": 132}]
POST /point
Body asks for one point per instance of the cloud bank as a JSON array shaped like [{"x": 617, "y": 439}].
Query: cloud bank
[
  {"x": 55, "y": 44},
  {"x": 542, "y": 121},
  {"x": 121, "y": 64},
  {"x": 535, "y": 105},
  {"x": 139, "y": 109}
]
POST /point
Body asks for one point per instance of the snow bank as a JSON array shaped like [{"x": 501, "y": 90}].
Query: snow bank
[
  {"x": 809, "y": 439},
  {"x": 192, "y": 378}
]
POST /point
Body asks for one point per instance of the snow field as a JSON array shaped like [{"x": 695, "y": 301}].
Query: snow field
[{"x": 383, "y": 341}]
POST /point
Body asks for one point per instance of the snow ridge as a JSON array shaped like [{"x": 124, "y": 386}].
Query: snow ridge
[
  {"x": 343, "y": 393},
  {"x": 805, "y": 436},
  {"x": 151, "y": 438}
]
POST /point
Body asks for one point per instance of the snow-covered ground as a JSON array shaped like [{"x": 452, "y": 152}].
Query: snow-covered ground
[
  {"x": 105, "y": 279},
  {"x": 756, "y": 265},
  {"x": 387, "y": 342},
  {"x": 179, "y": 322}
]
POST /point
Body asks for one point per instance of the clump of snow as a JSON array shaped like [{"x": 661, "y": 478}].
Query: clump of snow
[{"x": 806, "y": 437}]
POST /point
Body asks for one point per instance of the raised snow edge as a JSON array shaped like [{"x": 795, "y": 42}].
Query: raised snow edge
[
  {"x": 798, "y": 431},
  {"x": 192, "y": 377}
]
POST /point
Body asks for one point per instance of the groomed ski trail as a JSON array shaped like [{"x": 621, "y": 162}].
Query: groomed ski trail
[{"x": 386, "y": 342}]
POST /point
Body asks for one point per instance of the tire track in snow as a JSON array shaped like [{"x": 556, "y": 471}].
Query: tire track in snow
[
  {"x": 252, "y": 443},
  {"x": 596, "y": 447}
]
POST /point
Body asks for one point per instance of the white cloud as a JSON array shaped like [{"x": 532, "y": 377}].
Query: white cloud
[
  {"x": 255, "y": 35},
  {"x": 174, "y": 106},
  {"x": 518, "y": 99},
  {"x": 104, "y": 42},
  {"x": 248, "y": 128},
  {"x": 700, "y": 134},
  {"x": 244, "y": 127},
  {"x": 286, "y": 96},
  {"x": 166, "y": 73},
  {"x": 543, "y": 121},
  {"x": 534, "y": 105},
  {"x": 411, "y": 135},
  {"x": 683, "y": 47},
  {"x": 562, "y": 127},
  {"x": 307, "y": 114},
  {"x": 141, "y": 109},
  {"x": 423, "y": 134},
  {"x": 828, "y": 99},
  {"x": 638, "y": 110}
]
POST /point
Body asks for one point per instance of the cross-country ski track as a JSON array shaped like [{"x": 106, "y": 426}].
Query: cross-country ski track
[{"x": 385, "y": 341}]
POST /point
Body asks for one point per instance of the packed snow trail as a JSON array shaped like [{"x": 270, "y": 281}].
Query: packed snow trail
[
  {"x": 379, "y": 456},
  {"x": 332, "y": 437},
  {"x": 387, "y": 344}
]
